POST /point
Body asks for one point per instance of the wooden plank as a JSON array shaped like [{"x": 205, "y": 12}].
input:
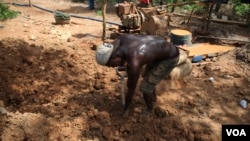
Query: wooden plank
[
  {"x": 205, "y": 49},
  {"x": 220, "y": 38}
]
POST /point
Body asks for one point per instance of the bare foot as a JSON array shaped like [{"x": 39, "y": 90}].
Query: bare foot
[
  {"x": 160, "y": 112},
  {"x": 147, "y": 112}
]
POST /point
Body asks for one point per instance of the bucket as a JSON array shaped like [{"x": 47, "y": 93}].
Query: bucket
[
  {"x": 181, "y": 37},
  {"x": 62, "y": 18}
]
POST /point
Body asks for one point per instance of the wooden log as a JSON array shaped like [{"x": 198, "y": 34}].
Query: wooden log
[
  {"x": 209, "y": 15},
  {"x": 219, "y": 38},
  {"x": 228, "y": 22},
  {"x": 214, "y": 20},
  {"x": 179, "y": 4}
]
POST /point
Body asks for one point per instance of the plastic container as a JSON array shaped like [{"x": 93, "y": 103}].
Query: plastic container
[
  {"x": 197, "y": 58},
  {"x": 211, "y": 79},
  {"x": 62, "y": 18},
  {"x": 243, "y": 104},
  {"x": 181, "y": 37}
]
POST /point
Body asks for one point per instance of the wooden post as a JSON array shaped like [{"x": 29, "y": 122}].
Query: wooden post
[
  {"x": 205, "y": 16},
  {"x": 209, "y": 15},
  {"x": 29, "y": 3},
  {"x": 173, "y": 8},
  {"x": 190, "y": 15},
  {"x": 104, "y": 6}
]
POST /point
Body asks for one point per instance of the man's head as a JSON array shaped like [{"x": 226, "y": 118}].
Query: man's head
[{"x": 104, "y": 52}]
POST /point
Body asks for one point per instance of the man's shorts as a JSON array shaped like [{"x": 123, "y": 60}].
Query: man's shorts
[{"x": 155, "y": 72}]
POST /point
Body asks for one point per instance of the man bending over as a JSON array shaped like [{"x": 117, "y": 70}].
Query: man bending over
[{"x": 133, "y": 52}]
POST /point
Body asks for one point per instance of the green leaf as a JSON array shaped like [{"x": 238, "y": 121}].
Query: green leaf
[{"x": 6, "y": 13}]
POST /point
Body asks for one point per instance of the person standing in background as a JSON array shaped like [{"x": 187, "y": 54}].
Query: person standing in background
[{"x": 146, "y": 3}]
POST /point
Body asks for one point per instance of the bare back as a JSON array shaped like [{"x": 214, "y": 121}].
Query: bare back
[{"x": 146, "y": 50}]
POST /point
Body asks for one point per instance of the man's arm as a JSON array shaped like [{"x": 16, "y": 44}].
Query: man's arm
[{"x": 133, "y": 76}]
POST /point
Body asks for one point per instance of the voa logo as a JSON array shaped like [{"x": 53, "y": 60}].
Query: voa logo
[{"x": 236, "y": 132}]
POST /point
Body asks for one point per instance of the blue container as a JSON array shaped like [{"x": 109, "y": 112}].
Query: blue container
[{"x": 197, "y": 58}]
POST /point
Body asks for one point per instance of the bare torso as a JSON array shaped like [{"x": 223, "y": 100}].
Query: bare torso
[
  {"x": 145, "y": 49},
  {"x": 135, "y": 51}
]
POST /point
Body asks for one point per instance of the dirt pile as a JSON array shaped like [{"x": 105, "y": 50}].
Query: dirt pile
[
  {"x": 243, "y": 53},
  {"x": 56, "y": 94}
]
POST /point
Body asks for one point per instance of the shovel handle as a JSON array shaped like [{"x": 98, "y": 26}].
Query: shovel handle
[{"x": 118, "y": 69}]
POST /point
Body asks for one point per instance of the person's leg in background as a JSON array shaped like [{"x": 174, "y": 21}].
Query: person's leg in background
[{"x": 91, "y": 4}]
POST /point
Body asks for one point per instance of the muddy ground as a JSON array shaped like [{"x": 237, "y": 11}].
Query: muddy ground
[{"x": 53, "y": 90}]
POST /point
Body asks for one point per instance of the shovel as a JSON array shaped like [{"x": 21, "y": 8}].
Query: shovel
[{"x": 121, "y": 77}]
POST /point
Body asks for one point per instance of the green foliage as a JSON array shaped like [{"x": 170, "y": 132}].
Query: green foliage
[
  {"x": 6, "y": 13},
  {"x": 197, "y": 9},
  {"x": 60, "y": 15},
  {"x": 99, "y": 12},
  {"x": 240, "y": 8}
]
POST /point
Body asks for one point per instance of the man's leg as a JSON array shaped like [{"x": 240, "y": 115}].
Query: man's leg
[
  {"x": 149, "y": 101},
  {"x": 149, "y": 95},
  {"x": 91, "y": 4},
  {"x": 154, "y": 74}
]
